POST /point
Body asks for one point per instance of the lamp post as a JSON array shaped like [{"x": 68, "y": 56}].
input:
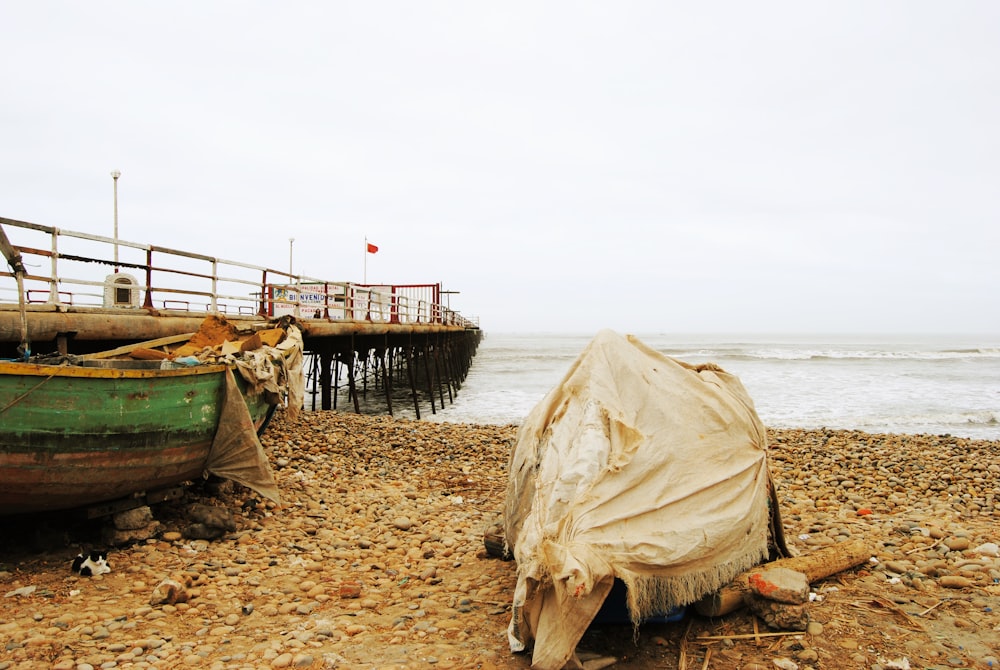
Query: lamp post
[
  {"x": 447, "y": 296},
  {"x": 114, "y": 175}
]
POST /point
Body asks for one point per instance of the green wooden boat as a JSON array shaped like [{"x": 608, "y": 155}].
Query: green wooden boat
[{"x": 76, "y": 435}]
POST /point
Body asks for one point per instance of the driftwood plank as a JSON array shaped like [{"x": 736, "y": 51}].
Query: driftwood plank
[
  {"x": 149, "y": 344},
  {"x": 815, "y": 566}
]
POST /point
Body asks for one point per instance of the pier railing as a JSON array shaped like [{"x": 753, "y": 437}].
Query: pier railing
[{"x": 64, "y": 270}]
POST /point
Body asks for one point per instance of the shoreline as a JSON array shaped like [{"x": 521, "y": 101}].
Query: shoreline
[{"x": 376, "y": 560}]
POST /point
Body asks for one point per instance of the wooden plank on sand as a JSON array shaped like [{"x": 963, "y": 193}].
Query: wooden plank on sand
[{"x": 815, "y": 566}]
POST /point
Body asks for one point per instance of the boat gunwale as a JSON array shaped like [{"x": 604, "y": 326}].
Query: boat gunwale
[{"x": 41, "y": 370}]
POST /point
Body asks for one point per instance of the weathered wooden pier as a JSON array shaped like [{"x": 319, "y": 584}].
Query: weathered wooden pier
[{"x": 96, "y": 293}]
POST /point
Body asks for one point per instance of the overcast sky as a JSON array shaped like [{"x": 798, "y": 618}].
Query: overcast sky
[{"x": 567, "y": 166}]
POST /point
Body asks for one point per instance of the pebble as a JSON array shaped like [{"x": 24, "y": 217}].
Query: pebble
[{"x": 375, "y": 557}]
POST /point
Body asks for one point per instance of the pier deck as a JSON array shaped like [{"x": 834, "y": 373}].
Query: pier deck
[{"x": 99, "y": 293}]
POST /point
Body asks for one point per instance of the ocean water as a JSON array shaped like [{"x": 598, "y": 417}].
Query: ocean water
[{"x": 930, "y": 384}]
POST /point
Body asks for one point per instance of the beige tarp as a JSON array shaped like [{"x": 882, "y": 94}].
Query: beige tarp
[
  {"x": 636, "y": 466},
  {"x": 275, "y": 370},
  {"x": 236, "y": 452}
]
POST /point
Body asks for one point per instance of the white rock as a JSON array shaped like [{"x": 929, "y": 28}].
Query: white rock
[
  {"x": 988, "y": 549},
  {"x": 23, "y": 591}
]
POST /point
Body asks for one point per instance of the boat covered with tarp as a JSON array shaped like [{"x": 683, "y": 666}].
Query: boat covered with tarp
[{"x": 637, "y": 468}]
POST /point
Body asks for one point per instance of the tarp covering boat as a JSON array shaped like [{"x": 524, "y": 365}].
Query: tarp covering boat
[{"x": 639, "y": 467}]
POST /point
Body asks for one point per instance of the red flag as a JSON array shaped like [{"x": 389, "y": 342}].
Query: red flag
[{"x": 372, "y": 249}]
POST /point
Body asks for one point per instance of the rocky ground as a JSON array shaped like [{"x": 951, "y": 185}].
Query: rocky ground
[{"x": 376, "y": 560}]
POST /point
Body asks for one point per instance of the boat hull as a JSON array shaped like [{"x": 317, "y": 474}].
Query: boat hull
[{"x": 75, "y": 436}]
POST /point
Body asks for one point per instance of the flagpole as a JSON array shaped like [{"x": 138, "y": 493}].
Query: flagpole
[{"x": 365, "y": 280}]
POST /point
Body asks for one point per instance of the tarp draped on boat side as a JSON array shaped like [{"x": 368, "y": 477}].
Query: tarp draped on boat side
[
  {"x": 291, "y": 349},
  {"x": 636, "y": 466},
  {"x": 236, "y": 452}
]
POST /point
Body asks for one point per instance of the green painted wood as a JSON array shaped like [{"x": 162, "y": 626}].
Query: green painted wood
[{"x": 71, "y": 436}]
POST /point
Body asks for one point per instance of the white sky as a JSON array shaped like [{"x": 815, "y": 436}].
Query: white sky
[{"x": 567, "y": 166}]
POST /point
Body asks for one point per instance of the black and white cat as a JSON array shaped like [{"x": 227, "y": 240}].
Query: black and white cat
[{"x": 90, "y": 564}]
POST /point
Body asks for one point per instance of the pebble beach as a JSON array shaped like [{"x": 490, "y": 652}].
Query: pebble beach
[{"x": 375, "y": 559}]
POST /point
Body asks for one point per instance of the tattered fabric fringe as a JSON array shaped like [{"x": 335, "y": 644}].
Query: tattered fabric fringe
[{"x": 653, "y": 595}]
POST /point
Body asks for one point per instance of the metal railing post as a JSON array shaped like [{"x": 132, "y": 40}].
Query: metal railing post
[
  {"x": 54, "y": 277},
  {"x": 148, "y": 302}
]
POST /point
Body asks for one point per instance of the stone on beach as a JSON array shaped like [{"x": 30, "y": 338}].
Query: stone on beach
[
  {"x": 781, "y": 585},
  {"x": 168, "y": 592},
  {"x": 133, "y": 519}
]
